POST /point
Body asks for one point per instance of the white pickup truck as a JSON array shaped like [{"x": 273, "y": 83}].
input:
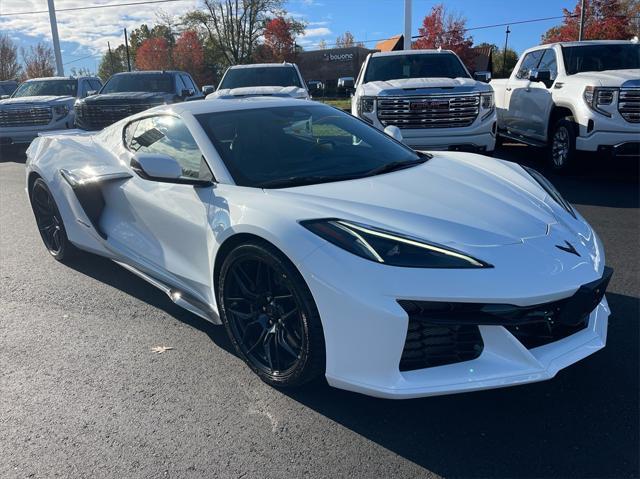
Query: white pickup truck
[
  {"x": 575, "y": 96},
  {"x": 430, "y": 96},
  {"x": 261, "y": 79}
]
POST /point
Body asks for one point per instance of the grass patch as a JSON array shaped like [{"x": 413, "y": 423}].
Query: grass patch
[{"x": 343, "y": 103}]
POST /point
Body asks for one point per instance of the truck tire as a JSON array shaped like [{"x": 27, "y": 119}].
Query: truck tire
[{"x": 562, "y": 144}]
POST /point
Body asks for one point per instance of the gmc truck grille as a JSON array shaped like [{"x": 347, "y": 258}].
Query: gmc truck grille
[
  {"x": 25, "y": 116},
  {"x": 629, "y": 104},
  {"x": 96, "y": 117},
  {"x": 450, "y": 111}
]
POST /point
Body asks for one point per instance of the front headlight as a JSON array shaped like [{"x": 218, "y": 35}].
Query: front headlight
[
  {"x": 599, "y": 99},
  {"x": 366, "y": 104},
  {"x": 60, "y": 111},
  {"x": 487, "y": 104},
  {"x": 389, "y": 248},
  {"x": 551, "y": 190}
]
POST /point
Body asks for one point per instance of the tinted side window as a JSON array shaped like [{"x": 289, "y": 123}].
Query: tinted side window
[
  {"x": 189, "y": 83},
  {"x": 180, "y": 84},
  {"x": 549, "y": 62},
  {"x": 170, "y": 136},
  {"x": 530, "y": 62},
  {"x": 95, "y": 85}
]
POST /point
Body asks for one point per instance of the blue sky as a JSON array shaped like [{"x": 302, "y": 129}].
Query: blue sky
[{"x": 86, "y": 33}]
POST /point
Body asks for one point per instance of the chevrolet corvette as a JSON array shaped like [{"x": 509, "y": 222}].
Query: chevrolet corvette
[{"x": 326, "y": 247}]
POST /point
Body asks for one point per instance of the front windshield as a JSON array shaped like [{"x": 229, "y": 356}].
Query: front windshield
[
  {"x": 291, "y": 146},
  {"x": 46, "y": 88},
  {"x": 601, "y": 57},
  {"x": 260, "y": 76},
  {"x": 147, "y": 82},
  {"x": 426, "y": 65}
]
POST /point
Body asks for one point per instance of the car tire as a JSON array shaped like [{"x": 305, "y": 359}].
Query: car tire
[
  {"x": 270, "y": 315},
  {"x": 49, "y": 222},
  {"x": 562, "y": 145}
]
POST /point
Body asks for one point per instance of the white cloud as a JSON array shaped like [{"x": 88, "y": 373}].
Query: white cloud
[
  {"x": 316, "y": 32},
  {"x": 89, "y": 29}
]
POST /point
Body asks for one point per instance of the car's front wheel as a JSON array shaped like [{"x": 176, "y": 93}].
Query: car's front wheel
[
  {"x": 49, "y": 221},
  {"x": 270, "y": 315},
  {"x": 563, "y": 145}
]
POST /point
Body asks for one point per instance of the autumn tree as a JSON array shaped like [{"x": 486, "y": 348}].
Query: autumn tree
[
  {"x": 143, "y": 32},
  {"x": 322, "y": 45},
  {"x": 38, "y": 61},
  {"x": 188, "y": 55},
  {"x": 604, "y": 20},
  {"x": 10, "y": 68},
  {"x": 347, "y": 40},
  {"x": 80, "y": 72},
  {"x": 114, "y": 61},
  {"x": 154, "y": 54},
  {"x": 279, "y": 38},
  {"x": 442, "y": 29},
  {"x": 234, "y": 26}
]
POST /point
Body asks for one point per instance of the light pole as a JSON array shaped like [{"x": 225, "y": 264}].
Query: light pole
[
  {"x": 126, "y": 46},
  {"x": 581, "y": 30},
  {"x": 504, "y": 52},
  {"x": 407, "y": 25},
  {"x": 54, "y": 37}
]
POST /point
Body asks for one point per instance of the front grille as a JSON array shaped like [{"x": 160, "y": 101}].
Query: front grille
[
  {"x": 434, "y": 111},
  {"x": 629, "y": 104},
  {"x": 25, "y": 116},
  {"x": 429, "y": 345},
  {"x": 446, "y": 332},
  {"x": 98, "y": 116}
]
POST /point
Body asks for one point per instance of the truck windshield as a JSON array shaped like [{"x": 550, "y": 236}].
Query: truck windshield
[
  {"x": 427, "y": 65},
  {"x": 148, "y": 82},
  {"x": 597, "y": 58},
  {"x": 46, "y": 88},
  {"x": 260, "y": 76}
]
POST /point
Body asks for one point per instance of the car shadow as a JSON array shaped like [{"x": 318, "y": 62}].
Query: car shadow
[
  {"x": 583, "y": 423},
  {"x": 106, "y": 271},
  {"x": 13, "y": 154}
]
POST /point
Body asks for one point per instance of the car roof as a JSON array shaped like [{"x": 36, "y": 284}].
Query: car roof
[
  {"x": 60, "y": 78},
  {"x": 143, "y": 72},
  {"x": 261, "y": 65},
  {"x": 587, "y": 42},
  {"x": 407, "y": 52},
  {"x": 232, "y": 104}
]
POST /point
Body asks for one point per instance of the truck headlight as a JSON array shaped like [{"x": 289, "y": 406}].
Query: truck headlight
[
  {"x": 599, "y": 99},
  {"x": 367, "y": 104},
  {"x": 60, "y": 111},
  {"x": 487, "y": 104}
]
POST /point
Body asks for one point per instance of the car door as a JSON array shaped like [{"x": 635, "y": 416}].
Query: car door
[
  {"x": 162, "y": 226},
  {"x": 516, "y": 118},
  {"x": 538, "y": 101}
]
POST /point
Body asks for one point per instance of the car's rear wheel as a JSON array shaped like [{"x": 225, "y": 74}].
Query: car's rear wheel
[
  {"x": 270, "y": 315},
  {"x": 49, "y": 221}
]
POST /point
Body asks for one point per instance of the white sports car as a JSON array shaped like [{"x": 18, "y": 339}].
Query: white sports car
[{"x": 326, "y": 247}]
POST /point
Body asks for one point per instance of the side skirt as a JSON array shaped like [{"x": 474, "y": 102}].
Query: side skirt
[{"x": 181, "y": 298}]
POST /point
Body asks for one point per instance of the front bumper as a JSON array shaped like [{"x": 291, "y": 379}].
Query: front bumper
[
  {"x": 365, "y": 328},
  {"x": 478, "y": 137},
  {"x": 26, "y": 134}
]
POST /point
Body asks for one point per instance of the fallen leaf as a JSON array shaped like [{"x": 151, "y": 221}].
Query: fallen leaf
[{"x": 161, "y": 349}]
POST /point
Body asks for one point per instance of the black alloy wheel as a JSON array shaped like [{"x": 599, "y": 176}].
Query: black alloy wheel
[
  {"x": 270, "y": 315},
  {"x": 49, "y": 221}
]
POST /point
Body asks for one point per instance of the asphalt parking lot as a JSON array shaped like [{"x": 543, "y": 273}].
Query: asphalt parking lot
[{"x": 83, "y": 395}]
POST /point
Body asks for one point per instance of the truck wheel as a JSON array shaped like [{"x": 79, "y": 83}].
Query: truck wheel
[{"x": 563, "y": 144}]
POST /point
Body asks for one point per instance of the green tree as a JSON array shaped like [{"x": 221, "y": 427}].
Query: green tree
[{"x": 115, "y": 62}]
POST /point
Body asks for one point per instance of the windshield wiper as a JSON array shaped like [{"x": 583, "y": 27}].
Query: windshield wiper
[
  {"x": 398, "y": 165},
  {"x": 304, "y": 180}
]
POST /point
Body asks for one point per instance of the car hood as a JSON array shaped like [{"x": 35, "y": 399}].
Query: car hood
[
  {"x": 286, "y": 91},
  {"x": 416, "y": 86},
  {"x": 611, "y": 78},
  {"x": 128, "y": 97},
  {"x": 455, "y": 199},
  {"x": 48, "y": 100}
]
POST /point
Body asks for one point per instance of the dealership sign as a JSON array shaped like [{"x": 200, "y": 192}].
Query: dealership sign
[{"x": 338, "y": 57}]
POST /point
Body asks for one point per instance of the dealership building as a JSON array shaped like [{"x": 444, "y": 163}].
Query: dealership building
[{"x": 330, "y": 64}]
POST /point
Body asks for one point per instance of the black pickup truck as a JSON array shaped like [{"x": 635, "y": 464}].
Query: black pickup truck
[{"x": 131, "y": 92}]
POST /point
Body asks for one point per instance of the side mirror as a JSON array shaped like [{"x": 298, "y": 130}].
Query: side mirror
[
  {"x": 394, "y": 132},
  {"x": 542, "y": 76},
  {"x": 156, "y": 166},
  {"x": 208, "y": 89},
  {"x": 91, "y": 92},
  {"x": 484, "y": 77},
  {"x": 187, "y": 92}
]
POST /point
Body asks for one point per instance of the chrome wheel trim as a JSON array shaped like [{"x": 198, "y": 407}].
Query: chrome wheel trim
[{"x": 560, "y": 147}]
